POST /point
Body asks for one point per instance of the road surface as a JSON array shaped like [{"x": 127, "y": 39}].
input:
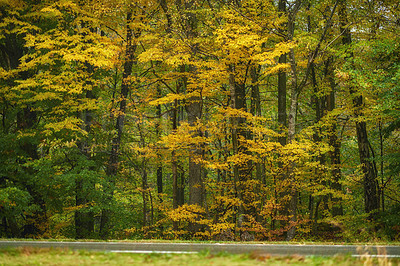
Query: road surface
[{"x": 270, "y": 249}]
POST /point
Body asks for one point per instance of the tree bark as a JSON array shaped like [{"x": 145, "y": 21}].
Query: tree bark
[
  {"x": 84, "y": 217},
  {"x": 158, "y": 133},
  {"x": 294, "y": 94},
  {"x": 371, "y": 197},
  {"x": 241, "y": 170},
  {"x": 334, "y": 141},
  {"x": 194, "y": 106},
  {"x": 255, "y": 110},
  {"x": 112, "y": 166},
  {"x": 174, "y": 163},
  {"x": 282, "y": 116}
]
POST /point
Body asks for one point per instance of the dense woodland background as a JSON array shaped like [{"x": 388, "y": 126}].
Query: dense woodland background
[{"x": 200, "y": 119}]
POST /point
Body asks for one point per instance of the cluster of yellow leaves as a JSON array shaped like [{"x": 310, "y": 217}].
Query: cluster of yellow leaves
[
  {"x": 13, "y": 25},
  {"x": 60, "y": 45},
  {"x": 188, "y": 213},
  {"x": 224, "y": 205},
  {"x": 71, "y": 124},
  {"x": 173, "y": 53},
  {"x": 183, "y": 138},
  {"x": 169, "y": 98},
  {"x": 220, "y": 228}
]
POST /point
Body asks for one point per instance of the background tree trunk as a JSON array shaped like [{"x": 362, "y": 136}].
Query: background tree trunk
[
  {"x": 194, "y": 103},
  {"x": 371, "y": 196},
  {"x": 334, "y": 141},
  {"x": 112, "y": 166}
]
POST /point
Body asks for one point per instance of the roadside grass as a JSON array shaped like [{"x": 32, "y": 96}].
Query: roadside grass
[{"x": 56, "y": 256}]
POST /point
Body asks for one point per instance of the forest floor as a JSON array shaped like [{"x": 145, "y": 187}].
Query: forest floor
[{"x": 50, "y": 256}]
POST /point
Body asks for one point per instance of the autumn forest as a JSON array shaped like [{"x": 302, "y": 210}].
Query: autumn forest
[{"x": 225, "y": 120}]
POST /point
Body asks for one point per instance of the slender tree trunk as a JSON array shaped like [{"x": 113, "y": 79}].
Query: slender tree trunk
[
  {"x": 178, "y": 184},
  {"x": 371, "y": 197},
  {"x": 319, "y": 104},
  {"x": 159, "y": 164},
  {"x": 145, "y": 185},
  {"x": 317, "y": 136},
  {"x": 84, "y": 217},
  {"x": 196, "y": 190},
  {"x": 382, "y": 189},
  {"x": 145, "y": 191},
  {"x": 112, "y": 167},
  {"x": 289, "y": 208},
  {"x": 194, "y": 106},
  {"x": 242, "y": 170},
  {"x": 175, "y": 202},
  {"x": 255, "y": 110},
  {"x": 334, "y": 142},
  {"x": 294, "y": 94},
  {"x": 181, "y": 188},
  {"x": 282, "y": 121},
  {"x": 282, "y": 116},
  {"x": 174, "y": 163},
  {"x": 292, "y": 187},
  {"x": 255, "y": 104}
]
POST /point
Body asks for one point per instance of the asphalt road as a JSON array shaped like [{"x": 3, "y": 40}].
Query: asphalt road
[{"x": 271, "y": 249}]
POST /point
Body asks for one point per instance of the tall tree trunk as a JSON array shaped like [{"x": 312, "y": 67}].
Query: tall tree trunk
[
  {"x": 255, "y": 104},
  {"x": 145, "y": 186},
  {"x": 194, "y": 106},
  {"x": 334, "y": 141},
  {"x": 174, "y": 163},
  {"x": 255, "y": 110},
  {"x": 174, "y": 160},
  {"x": 145, "y": 192},
  {"x": 181, "y": 188},
  {"x": 84, "y": 218},
  {"x": 158, "y": 133},
  {"x": 318, "y": 105},
  {"x": 178, "y": 185},
  {"x": 282, "y": 121},
  {"x": 282, "y": 116},
  {"x": 241, "y": 170},
  {"x": 382, "y": 185},
  {"x": 371, "y": 197},
  {"x": 292, "y": 207},
  {"x": 294, "y": 94},
  {"x": 196, "y": 189},
  {"x": 112, "y": 167}
]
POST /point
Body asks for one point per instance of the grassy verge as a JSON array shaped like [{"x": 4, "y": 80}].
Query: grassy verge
[{"x": 45, "y": 256}]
